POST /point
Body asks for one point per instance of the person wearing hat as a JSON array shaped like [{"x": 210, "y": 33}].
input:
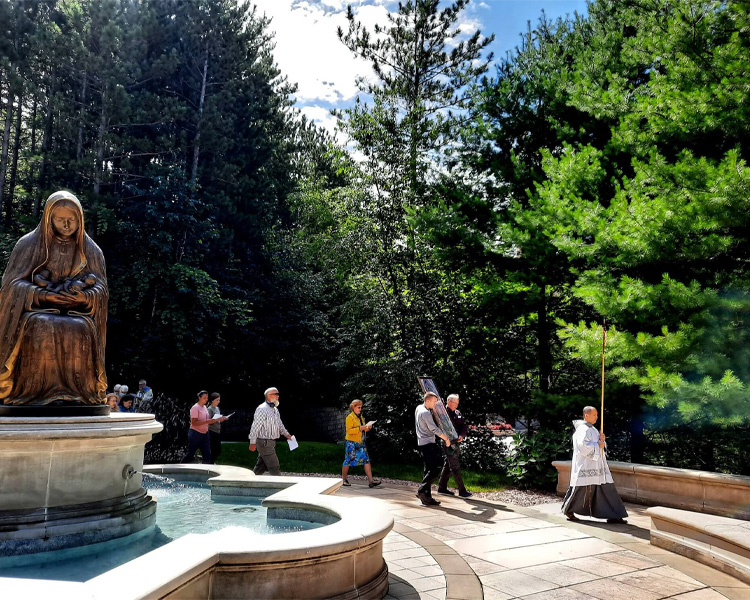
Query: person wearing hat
[
  {"x": 264, "y": 432},
  {"x": 356, "y": 451}
]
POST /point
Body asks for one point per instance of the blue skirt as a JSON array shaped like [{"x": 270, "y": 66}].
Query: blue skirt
[{"x": 356, "y": 454}]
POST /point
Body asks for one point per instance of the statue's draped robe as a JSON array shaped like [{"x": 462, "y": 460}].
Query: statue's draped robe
[{"x": 46, "y": 353}]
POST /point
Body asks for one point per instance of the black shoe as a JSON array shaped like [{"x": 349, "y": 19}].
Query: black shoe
[
  {"x": 346, "y": 483},
  {"x": 375, "y": 483},
  {"x": 465, "y": 494},
  {"x": 427, "y": 500},
  {"x": 618, "y": 521},
  {"x": 571, "y": 517},
  {"x": 446, "y": 491}
]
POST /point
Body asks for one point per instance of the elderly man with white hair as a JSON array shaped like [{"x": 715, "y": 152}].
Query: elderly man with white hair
[
  {"x": 266, "y": 429},
  {"x": 452, "y": 465}
]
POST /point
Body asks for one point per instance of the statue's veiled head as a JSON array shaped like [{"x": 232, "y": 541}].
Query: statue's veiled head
[
  {"x": 62, "y": 220},
  {"x": 63, "y": 216}
]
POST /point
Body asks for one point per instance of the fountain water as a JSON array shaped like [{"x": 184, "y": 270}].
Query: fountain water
[{"x": 341, "y": 559}]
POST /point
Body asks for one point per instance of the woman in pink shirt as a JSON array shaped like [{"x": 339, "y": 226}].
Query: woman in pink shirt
[{"x": 198, "y": 432}]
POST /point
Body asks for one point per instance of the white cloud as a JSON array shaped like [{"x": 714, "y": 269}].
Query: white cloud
[
  {"x": 309, "y": 53},
  {"x": 308, "y": 50},
  {"x": 323, "y": 118}
]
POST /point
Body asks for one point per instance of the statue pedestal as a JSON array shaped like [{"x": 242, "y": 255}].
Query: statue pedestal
[{"x": 70, "y": 481}]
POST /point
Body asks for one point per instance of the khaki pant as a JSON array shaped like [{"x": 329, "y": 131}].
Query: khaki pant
[{"x": 267, "y": 459}]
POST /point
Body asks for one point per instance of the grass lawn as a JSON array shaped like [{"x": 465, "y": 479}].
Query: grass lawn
[{"x": 321, "y": 457}]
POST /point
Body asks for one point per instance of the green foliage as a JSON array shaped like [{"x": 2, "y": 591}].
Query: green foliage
[
  {"x": 489, "y": 227},
  {"x": 529, "y": 458},
  {"x": 171, "y": 123},
  {"x": 170, "y": 444},
  {"x": 655, "y": 217},
  {"x": 483, "y": 451}
]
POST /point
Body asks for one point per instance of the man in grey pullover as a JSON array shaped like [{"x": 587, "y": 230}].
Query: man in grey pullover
[{"x": 430, "y": 451}]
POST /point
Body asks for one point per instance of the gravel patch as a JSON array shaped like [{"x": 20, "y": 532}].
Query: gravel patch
[{"x": 506, "y": 496}]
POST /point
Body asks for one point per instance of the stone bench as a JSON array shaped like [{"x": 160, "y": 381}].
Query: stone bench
[
  {"x": 685, "y": 489},
  {"x": 719, "y": 542}
]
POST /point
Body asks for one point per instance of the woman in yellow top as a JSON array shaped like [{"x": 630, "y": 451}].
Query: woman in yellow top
[{"x": 356, "y": 451}]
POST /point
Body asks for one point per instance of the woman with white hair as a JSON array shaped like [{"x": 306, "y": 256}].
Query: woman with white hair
[{"x": 356, "y": 450}]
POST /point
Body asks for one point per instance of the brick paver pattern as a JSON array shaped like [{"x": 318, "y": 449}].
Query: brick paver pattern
[{"x": 473, "y": 549}]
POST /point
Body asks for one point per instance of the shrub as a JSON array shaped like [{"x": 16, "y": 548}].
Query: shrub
[
  {"x": 483, "y": 451},
  {"x": 529, "y": 458},
  {"x": 170, "y": 444}
]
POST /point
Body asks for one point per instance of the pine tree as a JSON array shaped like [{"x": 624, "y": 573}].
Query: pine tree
[{"x": 659, "y": 235}]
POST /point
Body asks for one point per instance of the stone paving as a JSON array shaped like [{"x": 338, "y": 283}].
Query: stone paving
[{"x": 472, "y": 549}]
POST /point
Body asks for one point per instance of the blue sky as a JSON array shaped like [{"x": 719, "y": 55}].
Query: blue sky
[{"x": 310, "y": 54}]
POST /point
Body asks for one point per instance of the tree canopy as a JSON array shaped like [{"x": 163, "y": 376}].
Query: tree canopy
[{"x": 479, "y": 223}]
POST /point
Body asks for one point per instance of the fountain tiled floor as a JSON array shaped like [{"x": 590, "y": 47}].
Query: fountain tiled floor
[{"x": 472, "y": 549}]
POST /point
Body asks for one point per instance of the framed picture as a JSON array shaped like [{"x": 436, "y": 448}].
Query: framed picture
[{"x": 440, "y": 414}]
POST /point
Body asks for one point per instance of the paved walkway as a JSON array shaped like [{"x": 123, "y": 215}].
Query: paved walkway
[{"x": 472, "y": 549}]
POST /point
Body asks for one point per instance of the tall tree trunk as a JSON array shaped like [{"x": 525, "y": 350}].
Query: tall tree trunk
[
  {"x": 543, "y": 340},
  {"x": 30, "y": 177},
  {"x": 4, "y": 150},
  {"x": 100, "y": 145},
  {"x": 33, "y": 125},
  {"x": 14, "y": 164},
  {"x": 46, "y": 142},
  {"x": 81, "y": 113},
  {"x": 197, "y": 143},
  {"x": 637, "y": 440}
]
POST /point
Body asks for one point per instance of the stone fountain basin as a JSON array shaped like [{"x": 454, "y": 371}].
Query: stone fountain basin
[{"x": 341, "y": 560}]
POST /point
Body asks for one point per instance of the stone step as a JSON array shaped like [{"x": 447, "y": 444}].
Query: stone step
[{"x": 720, "y": 542}]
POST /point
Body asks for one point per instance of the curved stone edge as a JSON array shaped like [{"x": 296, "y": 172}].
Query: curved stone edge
[
  {"x": 719, "y": 542},
  {"x": 83, "y": 427},
  {"x": 460, "y": 579},
  {"x": 701, "y": 491},
  {"x": 197, "y": 565}
]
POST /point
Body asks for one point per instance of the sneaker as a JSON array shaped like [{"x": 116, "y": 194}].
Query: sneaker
[
  {"x": 346, "y": 483},
  {"x": 375, "y": 483},
  {"x": 465, "y": 494},
  {"x": 446, "y": 491}
]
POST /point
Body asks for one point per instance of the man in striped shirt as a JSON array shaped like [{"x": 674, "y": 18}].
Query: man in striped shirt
[{"x": 266, "y": 428}]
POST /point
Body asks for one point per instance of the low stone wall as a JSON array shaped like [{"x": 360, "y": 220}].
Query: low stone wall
[
  {"x": 327, "y": 423},
  {"x": 699, "y": 491}
]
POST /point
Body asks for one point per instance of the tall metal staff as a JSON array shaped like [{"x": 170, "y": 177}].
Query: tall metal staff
[{"x": 604, "y": 345}]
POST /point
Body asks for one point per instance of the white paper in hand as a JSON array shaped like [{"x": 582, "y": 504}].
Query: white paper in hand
[
  {"x": 369, "y": 423},
  {"x": 293, "y": 445}
]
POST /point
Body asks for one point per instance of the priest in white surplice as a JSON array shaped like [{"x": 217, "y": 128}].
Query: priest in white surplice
[{"x": 592, "y": 491}]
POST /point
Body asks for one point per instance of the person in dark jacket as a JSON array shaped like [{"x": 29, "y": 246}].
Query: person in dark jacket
[
  {"x": 126, "y": 403},
  {"x": 451, "y": 464}
]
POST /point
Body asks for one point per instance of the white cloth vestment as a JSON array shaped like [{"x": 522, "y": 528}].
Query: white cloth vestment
[{"x": 589, "y": 462}]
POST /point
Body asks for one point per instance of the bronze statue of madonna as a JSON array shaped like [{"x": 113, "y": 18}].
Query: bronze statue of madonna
[{"x": 53, "y": 316}]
